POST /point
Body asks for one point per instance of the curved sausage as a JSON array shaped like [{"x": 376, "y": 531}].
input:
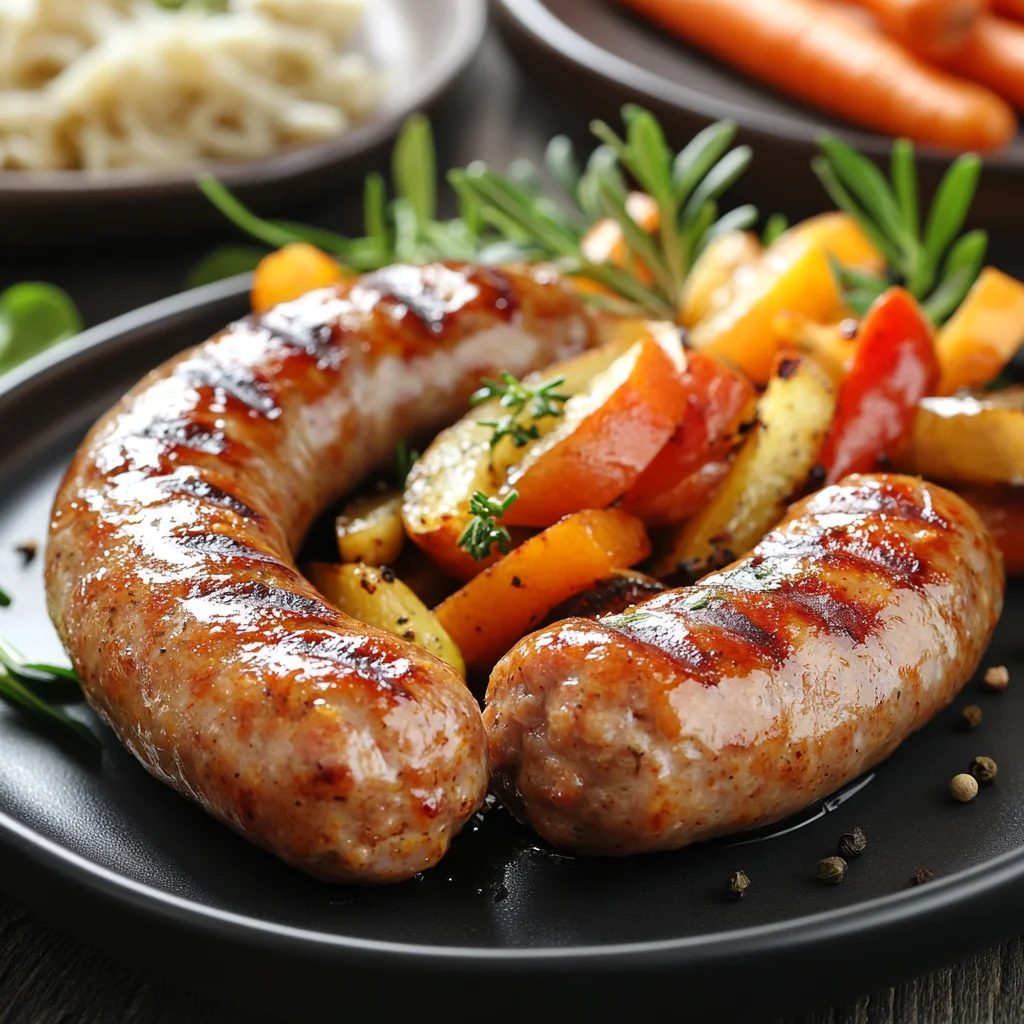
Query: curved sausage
[
  {"x": 733, "y": 703},
  {"x": 346, "y": 751}
]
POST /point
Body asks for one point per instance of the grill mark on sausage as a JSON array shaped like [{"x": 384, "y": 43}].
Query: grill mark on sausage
[
  {"x": 200, "y": 488},
  {"x": 314, "y": 337},
  {"x": 255, "y": 595},
  {"x": 225, "y": 546},
  {"x": 237, "y": 382},
  {"x": 370, "y": 659},
  {"x": 186, "y": 433},
  {"x": 435, "y": 300},
  {"x": 766, "y": 644}
]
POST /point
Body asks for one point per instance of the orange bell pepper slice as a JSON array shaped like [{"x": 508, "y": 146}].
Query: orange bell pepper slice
[
  {"x": 983, "y": 335},
  {"x": 508, "y": 599}
]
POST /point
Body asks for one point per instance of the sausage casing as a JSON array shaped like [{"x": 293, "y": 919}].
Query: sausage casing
[
  {"x": 768, "y": 685},
  {"x": 347, "y": 751}
]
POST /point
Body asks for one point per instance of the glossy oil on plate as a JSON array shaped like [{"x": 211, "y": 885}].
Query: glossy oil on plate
[
  {"x": 597, "y": 56},
  {"x": 421, "y": 48},
  {"x": 106, "y": 851}
]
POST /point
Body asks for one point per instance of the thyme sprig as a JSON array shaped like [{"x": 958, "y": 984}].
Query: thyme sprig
[
  {"x": 405, "y": 459},
  {"x": 536, "y": 403},
  {"x": 937, "y": 265},
  {"x": 483, "y": 532}
]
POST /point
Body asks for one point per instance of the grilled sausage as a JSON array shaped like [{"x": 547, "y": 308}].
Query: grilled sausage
[
  {"x": 743, "y": 699},
  {"x": 346, "y": 751}
]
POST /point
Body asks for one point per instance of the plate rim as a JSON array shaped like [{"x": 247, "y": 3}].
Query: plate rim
[
  {"x": 978, "y": 887},
  {"x": 464, "y": 44},
  {"x": 535, "y": 20}
]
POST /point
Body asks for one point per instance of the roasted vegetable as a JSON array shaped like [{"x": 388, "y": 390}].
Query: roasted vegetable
[
  {"x": 511, "y": 597},
  {"x": 721, "y": 270},
  {"x": 830, "y": 345},
  {"x": 378, "y": 598},
  {"x": 610, "y": 596},
  {"x": 290, "y": 272},
  {"x": 683, "y": 475},
  {"x": 1002, "y": 511},
  {"x": 983, "y": 335},
  {"x": 794, "y": 416},
  {"x": 794, "y": 276},
  {"x": 608, "y": 434},
  {"x": 893, "y": 369},
  {"x": 968, "y": 440},
  {"x": 460, "y": 461},
  {"x": 370, "y": 529}
]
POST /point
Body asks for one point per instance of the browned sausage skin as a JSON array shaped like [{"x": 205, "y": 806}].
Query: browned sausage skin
[
  {"x": 348, "y": 752},
  {"x": 766, "y": 686}
]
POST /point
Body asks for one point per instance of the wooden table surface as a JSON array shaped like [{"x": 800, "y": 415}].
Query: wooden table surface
[{"x": 47, "y": 977}]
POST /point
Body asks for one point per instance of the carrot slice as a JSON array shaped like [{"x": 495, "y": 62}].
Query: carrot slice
[
  {"x": 607, "y": 436},
  {"x": 803, "y": 49},
  {"x": 290, "y": 272},
  {"x": 983, "y": 335},
  {"x": 508, "y": 599}
]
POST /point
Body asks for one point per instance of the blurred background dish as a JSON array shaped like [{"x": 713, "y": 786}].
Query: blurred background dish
[
  {"x": 323, "y": 111},
  {"x": 616, "y": 57}
]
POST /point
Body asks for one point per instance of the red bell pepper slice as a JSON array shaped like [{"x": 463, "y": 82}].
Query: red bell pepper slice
[{"x": 894, "y": 368}]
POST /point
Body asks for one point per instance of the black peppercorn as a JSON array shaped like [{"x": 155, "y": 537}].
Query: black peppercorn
[
  {"x": 852, "y": 844},
  {"x": 831, "y": 870},
  {"x": 921, "y": 875},
  {"x": 984, "y": 769},
  {"x": 737, "y": 885},
  {"x": 970, "y": 716}
]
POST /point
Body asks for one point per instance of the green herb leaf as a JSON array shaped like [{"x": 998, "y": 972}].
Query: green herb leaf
[
  {"x": 34, "y": 673},
  {"x": 950, "y": 208},
  {"x": 483, "y": 531},
  {"x": 561, "y": 161},
  {"x": 704, "y": 150},
  {"x": 16, "y": 692},
  {"x": 776, "y": 225},
  {"x": 223, "y": 262},
  {"x": 963, "y": 264},
  {"x": 34, "y": 316},
  {"x": 414, "y": 167},
  {"x": 405, "y": 459},
  {"x": 5, "y": 599}
]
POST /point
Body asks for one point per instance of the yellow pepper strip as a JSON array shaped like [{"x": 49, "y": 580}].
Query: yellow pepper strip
[
  {"x": 794, "y": 276},
  {"x": 983, "y": 334}
]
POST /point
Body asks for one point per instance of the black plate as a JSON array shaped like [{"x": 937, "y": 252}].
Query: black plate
[
  {"x": 105, "y": 850},
  {"x": 423, "y": 47},
  {"x": 598, "y": 57}
]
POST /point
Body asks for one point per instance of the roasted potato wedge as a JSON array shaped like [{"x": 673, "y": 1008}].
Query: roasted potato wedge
[
  {"x": 370, "y": 529},
  {"x": 378, "y": 598},
  {"x": 831, "y": 345},
  {"x": 794, "y": 416},
  {"x": 459, "y": 461},
  {"x": 966, "y": 439},
  {"x": 508, "y": 599}
]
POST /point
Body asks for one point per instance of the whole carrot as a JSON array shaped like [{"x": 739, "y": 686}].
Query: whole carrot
[
  {"x": 810, "y": 53},
  {"x": 993, "y": 55},
  {"x": 933, "y": 28},
  {"x": 1008, "y": 8}
]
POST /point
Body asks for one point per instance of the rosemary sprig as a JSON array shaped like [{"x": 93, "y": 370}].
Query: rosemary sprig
[
  {"x": 5, "y": 598},
  {"x": 686, "y": 187},
  {"x": 936, "y": 265},
  {"x": 537, "y": 403},
  {"x": 483, "y": 531},
  {"x": 18, "y": 682}
]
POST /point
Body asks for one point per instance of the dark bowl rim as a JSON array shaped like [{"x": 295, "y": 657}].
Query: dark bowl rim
[
  {"x": 979, "y": 886},
  {"x": 462, "y": 46},
  {"x": 534, "y": 21}
]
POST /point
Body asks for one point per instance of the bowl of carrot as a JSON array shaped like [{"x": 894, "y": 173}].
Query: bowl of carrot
[{"x": 948, "y": 74}]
